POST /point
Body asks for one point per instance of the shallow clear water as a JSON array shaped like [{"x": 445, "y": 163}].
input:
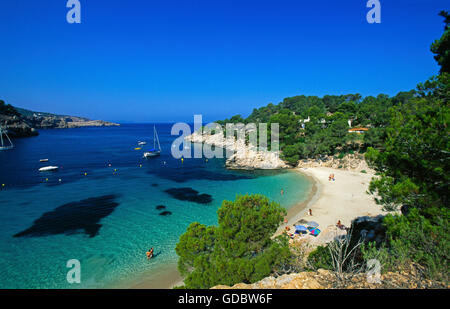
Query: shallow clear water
[{"x": 107, "y": 218}]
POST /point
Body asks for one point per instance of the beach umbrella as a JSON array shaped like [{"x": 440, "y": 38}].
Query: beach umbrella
[
  {"x": 300, "y": 228},
  {"x": 312, "y": 224},
  {"x": 315, "y": 232}
]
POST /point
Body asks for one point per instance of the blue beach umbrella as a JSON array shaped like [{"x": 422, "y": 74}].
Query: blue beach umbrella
[{"x": 300, "y": 228}]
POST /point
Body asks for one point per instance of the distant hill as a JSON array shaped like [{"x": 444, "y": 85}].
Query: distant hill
[
  {"x": 20, "y": 122},
  {"x": 29, "y": 113}
]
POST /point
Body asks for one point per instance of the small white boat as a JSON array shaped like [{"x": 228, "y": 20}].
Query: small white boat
[
  {"x": 48, "y": 168},
  {"x": 43, "y": 160},
  {"x": 142, "y": 143},
  {"x": 154, "y": 152}
]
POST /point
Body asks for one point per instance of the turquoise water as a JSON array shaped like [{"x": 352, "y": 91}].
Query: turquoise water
[{"x": 116, "y": 221}]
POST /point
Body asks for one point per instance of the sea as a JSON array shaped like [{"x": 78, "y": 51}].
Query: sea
[{"x": 106, "y": 205}]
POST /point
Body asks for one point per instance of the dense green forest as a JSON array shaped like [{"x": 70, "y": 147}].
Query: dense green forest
[
  {"x": 326, "y": 130},
  {"x": 407, "y": 144}
]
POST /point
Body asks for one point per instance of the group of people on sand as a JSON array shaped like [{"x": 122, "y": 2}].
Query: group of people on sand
[{"x": 331, "y": 177}]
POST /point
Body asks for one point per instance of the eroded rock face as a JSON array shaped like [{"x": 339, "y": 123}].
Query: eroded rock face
[
  {"x": 243, "y": 156},
  {"x": 304, "y": 280},
  {"x": 351, "y": 162},
  {"x": 409, "y": 278},
  {"x": 17, "y": 126},
  {"x": 24, "y": 126},
  {"x": 64, "y": 122}
]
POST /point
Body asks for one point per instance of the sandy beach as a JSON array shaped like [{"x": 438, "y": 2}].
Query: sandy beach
[{"x": 343, "y": 199}]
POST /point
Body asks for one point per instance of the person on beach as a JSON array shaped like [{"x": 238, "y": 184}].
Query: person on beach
[
  {"x": 340, "y": 225},
  {"x": 310, "y": 212},
  {"x": 150, "y": 254}
]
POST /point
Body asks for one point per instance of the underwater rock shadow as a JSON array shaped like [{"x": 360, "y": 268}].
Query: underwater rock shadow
[
  {"x": 73, "y": 217},
  {"x": 185, "y": 174},
  {"x": 160, "y": 207},
  {"x": 165, "y": 213},
  {"x": 189, "y": 194}
]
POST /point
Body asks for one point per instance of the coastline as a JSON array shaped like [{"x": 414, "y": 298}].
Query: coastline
[
  {"x": 343, "y": 199},
  {"x": 169, "y": 277}
]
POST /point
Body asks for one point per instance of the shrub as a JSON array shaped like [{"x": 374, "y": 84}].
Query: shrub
[
  {"x": 239, "y": 249},
  {"x": 320, "y": 258}
]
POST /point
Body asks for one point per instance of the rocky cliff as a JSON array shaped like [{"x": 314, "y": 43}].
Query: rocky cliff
[
  {"x": 243, "y": 156},
  {"x": 352, "y": 162},
  {"x": 410, "y": 278},
  {"x": 20, "y": 122},
  {"x": 17, "y": 126},
  {"x": 49, "y": 121}
]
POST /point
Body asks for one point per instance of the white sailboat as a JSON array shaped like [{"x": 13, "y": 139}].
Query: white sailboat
[
  {"x": 3, "y": 145},
  {"x": 154, "y": 152}
]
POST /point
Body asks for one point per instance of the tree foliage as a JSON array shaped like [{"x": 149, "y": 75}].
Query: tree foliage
[
  {"x": 441, "y": 47},
  {"x": 7, "y": 109},
  {"x": 239, "y": 249}
]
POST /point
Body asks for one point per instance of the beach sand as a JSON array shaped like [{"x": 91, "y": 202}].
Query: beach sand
[{"x": 343, "y": 199}]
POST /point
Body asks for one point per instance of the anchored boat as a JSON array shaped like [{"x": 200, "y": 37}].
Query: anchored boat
[
  {"x": 154, "y": 152},
  {"x": 48, "y": 168}
]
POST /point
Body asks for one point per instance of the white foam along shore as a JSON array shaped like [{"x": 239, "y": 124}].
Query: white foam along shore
[{"x": 343, "y": 199}]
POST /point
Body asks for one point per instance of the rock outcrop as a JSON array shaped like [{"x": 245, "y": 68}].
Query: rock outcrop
[
  {"x": 65, "y": 122},
  {"x": 17, "y": 126},
  {"x": 351, "y": 162},
  {"x": 24, "y": 123},
  {"x": 410, "y": 278},
  {"x": 240, "y": 155}
]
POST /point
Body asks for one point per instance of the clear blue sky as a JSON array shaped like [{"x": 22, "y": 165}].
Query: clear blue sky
[{"x": 165, "y": 60}]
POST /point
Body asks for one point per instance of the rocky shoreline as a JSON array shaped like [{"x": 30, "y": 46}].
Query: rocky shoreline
[
  {"x": 26, "y": 125},
  {"x": 243, "y": 156}
]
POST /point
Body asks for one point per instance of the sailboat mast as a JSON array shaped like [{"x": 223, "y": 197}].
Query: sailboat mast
[
  {"x": 7, "y": 137},
  {"x": 157, "y": 138}
]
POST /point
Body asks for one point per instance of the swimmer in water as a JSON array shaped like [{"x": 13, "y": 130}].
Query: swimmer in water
[{"x": 149, "y": 254}]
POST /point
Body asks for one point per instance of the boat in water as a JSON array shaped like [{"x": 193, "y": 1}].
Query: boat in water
[
  {"x": 43, "y": 160},
  {"x": 48, "y": 168},
  {"x": 3, "y": 145},
  {"x": 142, "y": 143},
  {"x": 154, "y": 152}
]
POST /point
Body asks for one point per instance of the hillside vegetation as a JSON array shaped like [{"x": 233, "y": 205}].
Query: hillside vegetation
[{"x": 409, "y": 147}]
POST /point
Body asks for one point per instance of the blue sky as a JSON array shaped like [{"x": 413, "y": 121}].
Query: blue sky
[{"x": 166, "y": 60}]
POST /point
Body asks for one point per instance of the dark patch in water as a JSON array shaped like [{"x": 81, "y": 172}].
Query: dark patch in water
[
  {"x": 186, "y": 172},
  {"x": 154, "y": 185},
  {"x": 159, "y": 207},
  {"x": 165, "y": 213},
  {"x": 72, "y": 217},
  {"x": 189, "y": 194}
]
